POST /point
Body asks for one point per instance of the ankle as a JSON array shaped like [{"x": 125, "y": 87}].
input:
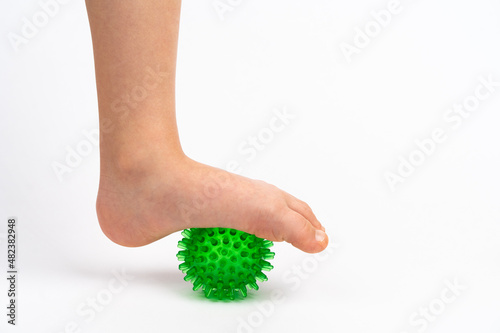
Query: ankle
[{"x": 139, "y": 162}]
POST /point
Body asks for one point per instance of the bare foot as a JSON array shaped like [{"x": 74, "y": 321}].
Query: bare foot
[
  {"x": 139, "y": 205},
  {"x": 148, "y": 187}
]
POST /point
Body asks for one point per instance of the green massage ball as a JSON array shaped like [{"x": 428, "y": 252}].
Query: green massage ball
[{"x": 223, "y": 261}]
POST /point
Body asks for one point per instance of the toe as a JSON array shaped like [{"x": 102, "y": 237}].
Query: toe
[
  {"x": 298, "y": 231},
  {"x": 303, "y": 209}
]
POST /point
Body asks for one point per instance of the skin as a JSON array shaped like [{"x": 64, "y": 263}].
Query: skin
[{"x": 148, "y": 187}]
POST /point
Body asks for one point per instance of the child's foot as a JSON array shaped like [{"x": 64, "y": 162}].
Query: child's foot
[{"x": 142, "y": 204}]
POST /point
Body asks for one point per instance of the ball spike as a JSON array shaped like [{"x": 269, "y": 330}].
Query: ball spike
[
  {"x": 231, "y": 294},
  {"x": 267, "y": 243},
  {"x": 184, "y": 267},
  {"x": 266, "y": 266},
  {"x": 186, "y": 233},
  {"x": 191, "y": 274},
  {"x": 197, "y": 283},
  {"x": 182, "y": 245},
  {"x": 182, "y": 255},
  {"x": 243, "y": 290},
  {"x": 260, "y": 276},
  {"x": 209, "y": 292},
  {"x": 253, "y": 285}
]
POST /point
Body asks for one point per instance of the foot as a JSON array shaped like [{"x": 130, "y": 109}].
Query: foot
[{"x": 139, "y": 205}]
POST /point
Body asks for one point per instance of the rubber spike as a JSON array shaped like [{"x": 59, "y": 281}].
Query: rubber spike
[
  {"x": 261, "y": 276},
  {"x": 267, "y": 243},
  {"x": 186, "y": 233},
  {"x": 265, "y": 265},
  {"x": 243, "y": 290},
  {"x": 197, "y": 283}
]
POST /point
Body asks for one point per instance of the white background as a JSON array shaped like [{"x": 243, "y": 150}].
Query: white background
[{"x": 392, "y": 252}]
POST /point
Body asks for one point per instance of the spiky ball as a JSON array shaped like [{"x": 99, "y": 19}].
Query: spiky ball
[{"x": 223, "y": 261}]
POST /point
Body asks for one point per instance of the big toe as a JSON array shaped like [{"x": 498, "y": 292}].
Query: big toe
[{"x": 298, "y": 231}]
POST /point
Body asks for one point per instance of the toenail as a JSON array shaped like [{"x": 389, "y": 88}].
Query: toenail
[{"x": 320, "y": 235}]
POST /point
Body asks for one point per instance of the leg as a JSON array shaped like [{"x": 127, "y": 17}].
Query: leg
[{"x": 148, "y": 188}]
